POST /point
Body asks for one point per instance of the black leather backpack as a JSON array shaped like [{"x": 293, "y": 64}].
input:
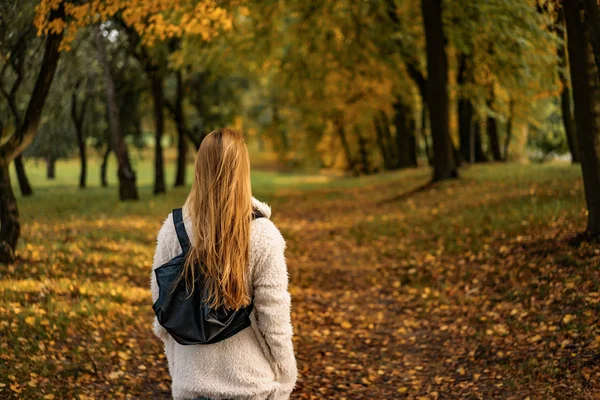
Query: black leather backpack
[{"x": 189, "y": 319}]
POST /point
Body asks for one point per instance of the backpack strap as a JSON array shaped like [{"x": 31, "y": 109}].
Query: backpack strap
[{"x": 182, "y": 236}]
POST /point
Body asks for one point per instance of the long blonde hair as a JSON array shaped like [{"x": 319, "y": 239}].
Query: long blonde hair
[{"x": 220, "y": 206}]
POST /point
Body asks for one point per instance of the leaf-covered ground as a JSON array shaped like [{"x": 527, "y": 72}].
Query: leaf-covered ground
[{"x": 469, "y": 289}]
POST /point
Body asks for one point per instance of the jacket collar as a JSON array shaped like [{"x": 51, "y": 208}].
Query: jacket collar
[{"x": 261, "y": 207}]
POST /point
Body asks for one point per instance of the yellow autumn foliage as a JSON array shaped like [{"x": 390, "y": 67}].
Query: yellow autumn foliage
[{"x": 152, "y": 19}]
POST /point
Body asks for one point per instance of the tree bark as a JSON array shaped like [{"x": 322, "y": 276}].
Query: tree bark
[
  {"x": 365, "y": 166},
  {"x": 424, "y": 120},
  {"x": 181, "y": 132},
  {"x": 77, "y": 115},
  {"x": 406, "y": 143},
  {"x": 104, "y": 167},
  {"x": 586, "y": 96},
  {"x": 385, "y": 142},
  {"x": 492, "y": 132},
  {"x": 491, "y": 128},
  {"x": 592, "y": 22},
  {"x": 470, "y": 147},
  {"x": 444, "y": 164},
  {"x": 22, "y": 176},
  {"x": 465, "y": 130},
  {"x": 83, "y": 162},
  {"x": 569, "y": 123},
  {"x": 387, "y": 135},
  {"x": 477, "y": 143},
  {"x": 127, "y": 186},
  {"x": 156, "y": 83},
  {"x": 10, "y": 228},
  {"x": 509, "y": 129},
  {"x": 565, "y": 93},
  {"x": 384, "y": 148},
  {"x": 50, "y": 167},
  {"x": 181, "y": 159},
  {"x": 339, "y": 125}
]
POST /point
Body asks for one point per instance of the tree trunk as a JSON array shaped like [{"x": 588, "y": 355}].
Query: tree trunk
[
  {"x": 50, "y": 167},
  {"x": 592, "y": 16},
  {"x": 424, "y": 135},
  {"x": 156, "y": 82},
  {"x": 385, "y": 142},
  {"x": 491, "y": 128},
  {"x": 22, "y": 176},
  {"x": 104, "y": 166},
  {"x": 387, "y": 135},
  {"x": 444, "y": 164},
  {"x": 569, "y": 123},
  {"x": 181, "y": 128},
  {"x": 565, "y": 94},
  {"x": 509, "y": 128},
  {"x": 365, "y": 166},
  {"x": 586, "y": 96},
  {"x": 384, "y": 148},
  {"x": 181, "y": 159},
  {"x": 77, "y": 116},
  {"x": 342, "y": 134},
  {"x": 470, "y": 146},
  {"x": 406, "y": 143},
  {"x": 127, "y": 186},
  {"x": 465, "y": 130},
  {"x": 10, "y": 228},
  {"x": 480, "y": 155},
  {"x": 83, "y": 162}
]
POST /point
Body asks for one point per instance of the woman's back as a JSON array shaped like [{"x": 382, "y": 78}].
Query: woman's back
[{"x": 259, "y": 361}]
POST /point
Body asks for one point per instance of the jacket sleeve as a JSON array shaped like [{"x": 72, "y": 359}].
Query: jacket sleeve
[
  {"x": 272, "y": 305},
  {"x": 161, "y": 256}
]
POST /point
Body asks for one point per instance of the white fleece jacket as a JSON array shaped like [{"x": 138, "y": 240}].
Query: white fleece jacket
[{"x": 257, "y": 363}]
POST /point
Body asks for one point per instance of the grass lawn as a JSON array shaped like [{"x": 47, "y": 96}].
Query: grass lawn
[{"x": 467, "y": 289}]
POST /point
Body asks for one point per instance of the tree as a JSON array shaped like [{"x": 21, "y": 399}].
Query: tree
[
  {"x": 444, "y": 164},
  {"x": 78, "y": 109},
  {"x": 23, "y": 135},
  {"x": 592, "y": 23},
  {"x": 471, "y": 149},
  {"x": 22, "y": 176},
  {"x": 586, "y": 96},
  {"x": 178, "y": 115},
  {"x": 17, "y": 43},
  {"x": 104, "y": 166},
  {"x": 509, "y": 129},
  {"x": 506, "y": 62},
  {"x": 406, "y": 141},
  {"x": 56, "y": 131},
  {"x": 147, "y": 23},
  {"x": 565, "y": 93},
  {"x": 156, "y": 83},
  {"x": 491, "y": 127},
  {"x": 153, "y": 62},
  {"x": 82, "y": 77},
  {"x": 129, "y": 87},
  {"x": 127, "y": 185},
  {"x": 55, "y": 138}
]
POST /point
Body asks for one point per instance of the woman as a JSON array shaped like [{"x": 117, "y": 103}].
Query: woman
[{"x": 242, "y": 261}]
